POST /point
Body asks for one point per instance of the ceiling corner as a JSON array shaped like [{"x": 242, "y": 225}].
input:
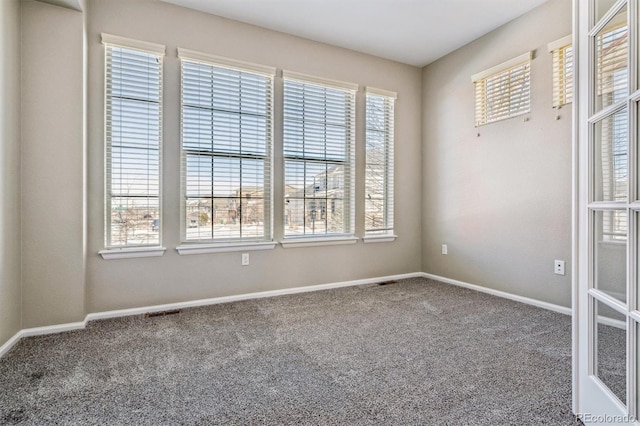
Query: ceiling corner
[{"x": 69, "y": 4}]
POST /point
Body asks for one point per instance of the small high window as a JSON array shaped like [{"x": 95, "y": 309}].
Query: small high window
[
  {"x": 503, "y": 91},
  {"x": 562, "y": 56}
]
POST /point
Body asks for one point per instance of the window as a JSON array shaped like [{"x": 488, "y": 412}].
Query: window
[
  {"x": 226, "y": 149},
  {"x": 503, "y": 91},
  {"x": 379, "y": 163},
  {"x": 133, "y": 134},
  {"x": 319, "y": 128},
  {"x": 562, "y": 57}
]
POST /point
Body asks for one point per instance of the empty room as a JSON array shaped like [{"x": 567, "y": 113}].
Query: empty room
[{"x": 319, "y": 212}]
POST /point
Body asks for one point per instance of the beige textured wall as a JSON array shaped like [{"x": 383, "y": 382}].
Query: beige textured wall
[
  {"x": 118, "y": 284},
  {"x": 52, "y": 165},
  {"x": 501, "y": 201},
  {"x": 10, "y": 303}
]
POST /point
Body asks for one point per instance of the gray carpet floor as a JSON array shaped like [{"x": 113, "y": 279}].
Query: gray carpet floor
[{"x": 414, "y": 352}]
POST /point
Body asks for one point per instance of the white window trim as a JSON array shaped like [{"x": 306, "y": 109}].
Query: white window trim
[
  {"x": 381, "y": 92},
  {"x": 187, "y": 249},
  {"x": 131, "y": 252},
  {"x": 369, "y": 239},
  {"x": 123, "y": 252},
  {"x": 297, "y": 242},
  {"x": 130, "y": 43},
  {"x": 525, "y": 57},
  {"x": 305, "y": 78},
  {"x": 206, "y": 58},
  {"x": 560, "y": 43}
]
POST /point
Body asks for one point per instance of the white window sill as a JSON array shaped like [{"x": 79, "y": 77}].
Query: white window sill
[
  {"x": 131, "y": 252},
  {"x": 379, "y": 239},
  {"x": 613, "y": 243},
  {"x": 315, "y": 241},
  {"x": 186, "y": 249}
]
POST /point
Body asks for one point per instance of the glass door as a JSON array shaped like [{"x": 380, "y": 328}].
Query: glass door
[{"x": 608, "y": 215}]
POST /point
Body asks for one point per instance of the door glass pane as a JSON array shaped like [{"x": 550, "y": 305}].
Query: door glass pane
[
  {"x": 637, "y": 145},
  {"x": 612, "y": 61},
  {"x": 637, "y": 260},
  {"x": 610, "y": 344},
  {"x": 611, "y": 142},
  {"x": 637, "y": 361},
  {"x": 610, "y": 253}
]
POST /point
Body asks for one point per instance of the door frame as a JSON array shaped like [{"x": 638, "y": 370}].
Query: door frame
[{"x": 585, "y": 385}]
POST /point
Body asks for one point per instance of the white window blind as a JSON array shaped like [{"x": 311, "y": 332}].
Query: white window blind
[
  {"x": 133, "y": 133},
  {"x": 562, "y": 58},
  {"x": 503, "y": 91},
  {"x": 379, "y": 162},
  {"x": 319, "y": 131},
  {"x": 226, "y": 150}
]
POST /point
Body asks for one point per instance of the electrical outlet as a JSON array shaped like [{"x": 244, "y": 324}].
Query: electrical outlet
[
  {"x": 558, "y": 267},
  {"x": 245, "y": 259},
  {"x": 445, "y": 250}
]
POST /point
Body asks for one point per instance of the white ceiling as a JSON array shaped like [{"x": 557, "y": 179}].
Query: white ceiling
[
  {"x": 416, "y": 32},
  {"x": 69, "y": 4}
]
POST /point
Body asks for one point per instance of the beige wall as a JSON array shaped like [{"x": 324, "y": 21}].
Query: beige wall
[
  {"x": 52, "y": 165},
  {"x": 10, "y": 304},
  {"x": 118, "y": 284},
  {"x": 501, "y": 201}
]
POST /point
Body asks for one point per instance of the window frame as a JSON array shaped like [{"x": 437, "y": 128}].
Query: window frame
[
  {"x": 213, "y": 245},
  {"x": 385, "y": 234},
  {"x": 112, "y": 251},
  {"x": 347, "y": 236},
  {"x": 516, "y": 106}
]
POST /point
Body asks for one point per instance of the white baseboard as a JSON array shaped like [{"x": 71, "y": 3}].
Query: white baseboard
[
  {"x": 622, "y": 325},
  {"x": 504, "y": 294},
  {"x": 60, "y": 328},
  {"x": 52, "y": 329},
  {"x": 9, "y": 344},
  {"x": 38, "y": 331},
  {"x": 239, "y": 297}
]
